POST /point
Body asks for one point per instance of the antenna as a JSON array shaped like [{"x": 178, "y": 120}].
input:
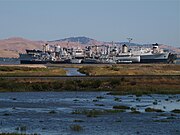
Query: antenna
[
  {"x": 68, "y": 44},
  {"x": 129, "y": 39}
]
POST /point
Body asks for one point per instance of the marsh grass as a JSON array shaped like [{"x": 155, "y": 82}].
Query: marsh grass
[
  {"x": 143, "y": 86},
  {"x": 76, "y": 128},
  {"x": 100, "y": 97},
  {"x": 176, "y": 111},
  {"x": 99, "y": 104},
  {"x": 96, "y": 113},
  {"x": 135, "y": 112},
  {"x": 118, "y": 120},
  {"x": 114, "y": 111},
  {"x": 21, "y": 128},
  {"x": 117, "y": 86},
  {"x": 171, "y": 118},
  {"x": 78, "y": 121},
  {"x": 153, "y": 110},
  {"x": 6, "y": 114},
  {"x": 30, "y": 71},
  {"x": 117, "y": 99},
  {"x": 17, "y": 134},
  {"x": 132, "y": 69},
  {"x": 52, "y": 112},
  {"x": 88, "y": 113},
  {"x": 123, "y": 107},
  {"x": 163, "y": 120}
]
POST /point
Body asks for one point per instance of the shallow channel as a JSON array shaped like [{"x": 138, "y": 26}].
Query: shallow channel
[{"x": 73, "y": 72}]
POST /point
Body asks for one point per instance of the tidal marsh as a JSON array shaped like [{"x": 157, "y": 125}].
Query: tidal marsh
[
  {"x": 32, "y": 110},
  {"x": 131, "y": 69},
  {"x": 10, "y": 71}
]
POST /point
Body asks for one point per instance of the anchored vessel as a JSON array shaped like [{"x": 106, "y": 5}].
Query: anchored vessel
[
  {"x": 96, "y": 54},
  {"x": 154, "y": 55}
]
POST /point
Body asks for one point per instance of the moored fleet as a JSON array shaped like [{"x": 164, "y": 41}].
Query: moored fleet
[{"x": 96, "y": 54}]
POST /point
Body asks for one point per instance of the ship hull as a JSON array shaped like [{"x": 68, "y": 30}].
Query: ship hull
[
  {"x": 154, "y": 58},
  {"x": 128, "y": 59},
  {"x": 90, "y": 61},
  {"x": 44, "y": 62},
  {"x": 153, "y": 61}
]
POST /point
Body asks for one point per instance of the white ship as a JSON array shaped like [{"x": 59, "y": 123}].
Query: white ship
[
  {"x": 154, "y": 55},
  {"x": 77, "y": 56}
]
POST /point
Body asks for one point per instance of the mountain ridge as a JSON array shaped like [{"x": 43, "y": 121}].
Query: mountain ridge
[{"x": 80, "y": 39}]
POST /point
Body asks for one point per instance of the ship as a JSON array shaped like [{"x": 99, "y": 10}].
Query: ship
[
  {"x": 126, "y": 56},
  {"x": 77, "y": 56},
  {"x": 153, "y": 55},
  {"x": 45, "y": 56},
  {"x": 102, "y": 54}
]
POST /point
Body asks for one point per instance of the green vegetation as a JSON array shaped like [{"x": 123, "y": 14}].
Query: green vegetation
[
  {"x": 99, "y": 104},
  {"x": 78, "y": 121},
  {"x": 171, "y": 118},
  {"x": 52, "y": 112},
  {"x": 121, "y": 107},
  {"x": 161, "y": 120},
  {"x": 176, "y": 111},
  {"x": 118, "y": 121},
  {"x": 161, "y": 85},
  {"x": 17, "y": 134},
  {"x": 153, "y": 110},
  {"x": 76, "y": 128},
  {"x": 21, "y": 128},
  {"x": 89, "y": 113},
  {"x": 96, "y": 113},
  {"x": 115, "y": 85},
  {"x": 117, "y": 99},
  {"x": 135, "y": 112},
  {"x": 99, "y": 97},
  {"x": 114, "y": 111},
  {"x": 6, "y": 114}
]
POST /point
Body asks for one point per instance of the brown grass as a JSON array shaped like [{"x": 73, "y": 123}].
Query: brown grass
[
  {"x": 132, "y": 69},
  {"x": 30, "y": 70}
]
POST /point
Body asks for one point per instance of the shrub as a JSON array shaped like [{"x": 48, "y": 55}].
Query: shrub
[{"x": 114, "y": 82}]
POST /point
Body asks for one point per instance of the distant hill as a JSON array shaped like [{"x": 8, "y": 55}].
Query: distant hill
[
  {"x": 82, "y": 40},
  {"x": 11, "y": 47}
]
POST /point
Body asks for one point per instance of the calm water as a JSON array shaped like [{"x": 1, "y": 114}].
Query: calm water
[
  {"x": 73, "y": 72},
  {"x": 32, "y": 110},
  {"x": 178, "y": 61},
  {"x": 9, "y": 61}
]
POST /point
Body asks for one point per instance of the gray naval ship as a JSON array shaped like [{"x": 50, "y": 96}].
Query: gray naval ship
[{"x": 96, "y": 54}]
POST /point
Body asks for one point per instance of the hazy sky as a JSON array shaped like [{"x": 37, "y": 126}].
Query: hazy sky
[{"x": 146, "y": 21}]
